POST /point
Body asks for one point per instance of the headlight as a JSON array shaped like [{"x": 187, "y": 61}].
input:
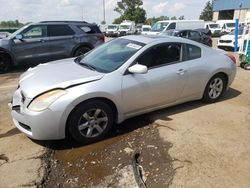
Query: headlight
[{"x": 43, "y": 101}]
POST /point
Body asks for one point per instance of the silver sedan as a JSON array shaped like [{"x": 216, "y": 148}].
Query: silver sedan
[{"x": 120, "y": 79}]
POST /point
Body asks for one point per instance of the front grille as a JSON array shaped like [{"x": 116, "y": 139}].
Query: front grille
[
  {"x": 225, "y": 41},
  {"x": 26, "y": 127}
]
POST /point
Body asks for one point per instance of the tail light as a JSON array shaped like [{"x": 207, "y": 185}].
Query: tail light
[
  {"x": 232, "y": 57},
  {"x": 101, "y": 38}
]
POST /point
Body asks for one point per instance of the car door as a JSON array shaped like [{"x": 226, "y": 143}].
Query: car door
[
  {"x": 33, "y": 46},
  {"x": 197, "y": 73},
  {"x": 164, "y": 82},
  {"x": 62, "y": 41}
]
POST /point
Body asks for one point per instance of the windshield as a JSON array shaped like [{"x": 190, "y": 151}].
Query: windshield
[
  {"x": 230, "y": 24},
  {"x": 112, "y": 27},
  {"x": 159, "y": 26},
  {"x": 111, "y": 55},
  {"x": 145, "y": 29},
  {"x": 124, "y": 26},
  {"x": 214, "y": 26},
  {"x": 17, "y": 32}
]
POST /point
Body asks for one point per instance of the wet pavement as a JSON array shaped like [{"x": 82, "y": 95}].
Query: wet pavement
[{"x": 97, "y": 165}]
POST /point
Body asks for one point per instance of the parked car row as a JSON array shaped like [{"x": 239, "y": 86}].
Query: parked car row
[{"x": 52, "y": 40}]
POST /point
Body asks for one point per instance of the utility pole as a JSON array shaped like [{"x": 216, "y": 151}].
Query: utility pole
[
  {"x": 240, "y": 6},
  {"x": 104, "y": 12},
  {"x": 82, "y": 13}
]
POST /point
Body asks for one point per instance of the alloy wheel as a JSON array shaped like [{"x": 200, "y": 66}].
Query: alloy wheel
[
  {"x": 93, "y": 122},
  {"x": 215, "y": 88}
]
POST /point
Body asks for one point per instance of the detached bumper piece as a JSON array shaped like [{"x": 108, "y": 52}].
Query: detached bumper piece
[{"x": 138, "y": 170}]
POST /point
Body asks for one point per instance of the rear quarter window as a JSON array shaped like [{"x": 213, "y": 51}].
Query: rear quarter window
[
  {"x": 193, "y": 52},
  {"x": 90, "y": 29},
  {"x": 60, "y": 30}
]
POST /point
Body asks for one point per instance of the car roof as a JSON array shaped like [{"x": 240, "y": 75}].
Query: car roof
[
  {"x": 146, "y": 39},
  {"x": 61, "y": 22}
]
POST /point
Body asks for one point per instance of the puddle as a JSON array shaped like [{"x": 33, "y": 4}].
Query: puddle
[
  {"x": 11, "y": 132},
  {"x": 89, "y": 166}
]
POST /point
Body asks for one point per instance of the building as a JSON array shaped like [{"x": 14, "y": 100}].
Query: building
[{"x": 231, "y": 9}]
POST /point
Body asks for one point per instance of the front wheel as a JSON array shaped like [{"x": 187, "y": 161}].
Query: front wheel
[
  {"x": 5, "y": 64},
  {"x": 81, "y": 51},
  {"x": 90, "y": 121},
  {"x": 214, "y": 89}
]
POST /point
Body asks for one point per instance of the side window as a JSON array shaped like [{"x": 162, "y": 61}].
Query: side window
[
  {"x": 172, "y": 26},
  {"x": 184, "y": 34},
  {"x": 194, "y": 34},
  {"x": 87, "y": 29},
  {"x": 193, "y": 52},
  {"x": 160, "y": 55},
  {"x": 35, "y": 32},
  {"x": 59, "y": 30}
]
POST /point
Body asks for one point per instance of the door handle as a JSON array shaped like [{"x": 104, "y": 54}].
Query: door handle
[{"x": 181, "y": 71}]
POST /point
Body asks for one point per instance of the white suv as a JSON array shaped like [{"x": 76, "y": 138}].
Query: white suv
[{"x": 226, "y": 42}]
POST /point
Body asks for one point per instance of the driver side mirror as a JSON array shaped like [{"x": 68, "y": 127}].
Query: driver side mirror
[
  {"x": 138, "y": 69},
  {"x": 19, "y": 37}
]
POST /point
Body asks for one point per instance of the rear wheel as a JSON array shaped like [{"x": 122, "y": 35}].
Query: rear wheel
[
  {"x": 242, "y": 64},
  {"x": 215, "y": 88},
  {"x": 90, "y": 121},
  {"x": 5, "y": 63},
  {"x": 247, "y": 66},
  {"x": 81, "y": 51}
]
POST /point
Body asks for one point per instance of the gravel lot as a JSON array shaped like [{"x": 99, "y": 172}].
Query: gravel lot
[{"x": 190, "y": 145}]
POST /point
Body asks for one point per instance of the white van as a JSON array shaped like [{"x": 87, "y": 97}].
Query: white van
[
  {"x": 176, "y": 24},
  {"x": 112, "y": 30},
  {"x": 145, "y": 30},
  {"x": 214, "y": 28},
  {"x": 127, "y": 28},
  {"x": 227, "y": 26}
]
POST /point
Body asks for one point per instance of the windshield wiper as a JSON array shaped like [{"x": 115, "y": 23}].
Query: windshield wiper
[{"x": 91, "y": 67}]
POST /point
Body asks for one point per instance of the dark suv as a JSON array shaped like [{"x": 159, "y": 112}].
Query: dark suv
[{"x": 47, "y": 41}]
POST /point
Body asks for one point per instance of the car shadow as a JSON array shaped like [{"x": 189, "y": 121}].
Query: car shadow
[{"x": 137, "y": 122}]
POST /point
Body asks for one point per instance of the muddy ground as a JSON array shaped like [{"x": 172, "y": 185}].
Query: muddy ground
[
  {"x": 100, "y": 164},
  {"x": 190, "y": 145}
]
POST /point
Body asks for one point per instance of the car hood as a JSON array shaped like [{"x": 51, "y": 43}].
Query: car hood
[
  {"x": 111, "y": 29},
  {"x": 56, "y": 74},
  {"x": 154, "y": 32},
  {"x": 227, "y": 37}
]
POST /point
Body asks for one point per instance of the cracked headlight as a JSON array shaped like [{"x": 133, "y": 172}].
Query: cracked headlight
[{"x": 43, "y": 101}]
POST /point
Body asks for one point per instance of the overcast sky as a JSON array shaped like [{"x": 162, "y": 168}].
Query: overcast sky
[{"x": 91, "y": 10}]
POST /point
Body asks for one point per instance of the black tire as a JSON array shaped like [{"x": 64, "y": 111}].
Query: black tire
[
  {"x": 5, "y": 63},
  {"x": 212, "y": 94},
  {"x": 78, "y": 120},
  {"x": 81, "y": 51},
  {"x": 242, "y": 64}
]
